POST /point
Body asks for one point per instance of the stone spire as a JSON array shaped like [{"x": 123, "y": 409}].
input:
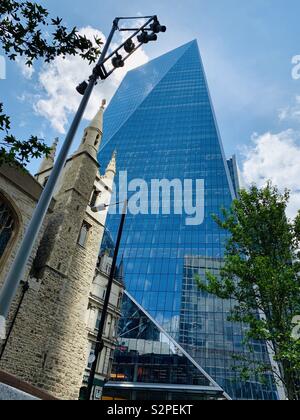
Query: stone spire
[
  {"x": 48, "y": 162},
  {"x": 97, "y": 121},
  {"x": 111, "y": 169},
  {"x": 93, "y": 134},
  {"x": 110, "y": 173}
]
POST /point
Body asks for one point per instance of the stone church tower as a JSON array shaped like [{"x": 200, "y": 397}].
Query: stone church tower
[{"x": 48, "y": 347}]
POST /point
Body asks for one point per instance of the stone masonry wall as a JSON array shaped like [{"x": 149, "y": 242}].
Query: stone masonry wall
[
  {"x": 49, "y": 345},
  {"x": 23, "y": 205}
]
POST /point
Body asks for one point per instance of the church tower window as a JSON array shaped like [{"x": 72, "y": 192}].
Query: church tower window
[
  {"x": 97, "y": 140},
  {"x": 83, "y": 235},
  {"x": 96, "y": 194}
]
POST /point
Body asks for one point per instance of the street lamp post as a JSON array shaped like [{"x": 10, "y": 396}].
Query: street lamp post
[
  {"x": 16, "y": 273},
  {"x": 99, "y": 342}
]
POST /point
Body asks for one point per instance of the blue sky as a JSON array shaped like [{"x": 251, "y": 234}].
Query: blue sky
[{"x": 247, "y": 49}]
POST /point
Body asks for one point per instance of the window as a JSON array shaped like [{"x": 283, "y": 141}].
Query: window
[
  {"x": 84, "y": 231},
  {"x": 112, "y": 333},
  {"x": 97, "y": 140},
  {"x": 7, "y": 225},
  {"x": 107, "y": 269},
  {"x": 120, "y": 298},
  {"x": 96, "y": 194},
  {"x": 99, "y": 316},
  {"x": 91, "y": 358}
]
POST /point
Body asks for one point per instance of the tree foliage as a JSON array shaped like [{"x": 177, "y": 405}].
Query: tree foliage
[
  {"x": 18, "y": 152},
  {"x": 27, "y": 30},
  {"x": 261, "y": 274}
]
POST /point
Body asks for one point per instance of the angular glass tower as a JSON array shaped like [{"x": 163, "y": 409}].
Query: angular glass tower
[{"x": 161, "y": 123}]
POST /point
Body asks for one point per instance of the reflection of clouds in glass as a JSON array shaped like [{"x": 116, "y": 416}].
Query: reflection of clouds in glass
[
  {"x": 130, "y": 266},
  {"x": 165, "y": 340},
  {"x": 149, "y": 87},
  {"x": 171, "y": 325},
  {"x": 147, "y": 285}
]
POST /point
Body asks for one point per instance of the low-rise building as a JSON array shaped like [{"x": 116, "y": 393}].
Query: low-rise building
[{"x": 94, "y": 314}]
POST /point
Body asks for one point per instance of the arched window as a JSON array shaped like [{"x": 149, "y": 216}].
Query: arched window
[
  {"x": 95, "y": 195},
  {"x": 83, "y": 235},
  {"x": 84, "y": 138},
  {"x": 8, "y": 225},
  {"x": 97, "y": 140}
]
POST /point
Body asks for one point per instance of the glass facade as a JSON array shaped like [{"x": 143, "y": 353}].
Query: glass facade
[
  {"x": 232, "y": 165},
  {"x": 161, "y": 123},
  {"x": 148, "y": 357}
]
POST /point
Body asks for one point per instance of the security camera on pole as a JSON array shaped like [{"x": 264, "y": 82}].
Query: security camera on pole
[{"x": 101, "y": 71}]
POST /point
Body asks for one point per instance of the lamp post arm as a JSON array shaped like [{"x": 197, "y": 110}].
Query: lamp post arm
[{"x": 103, "y": 207}]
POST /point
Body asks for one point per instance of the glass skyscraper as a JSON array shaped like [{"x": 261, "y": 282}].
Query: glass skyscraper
[{"x": 173, "y": 339}]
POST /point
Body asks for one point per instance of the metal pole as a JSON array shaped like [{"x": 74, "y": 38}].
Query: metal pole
[
  {"x": 99, "y": 342},
  {"x": 17, "y": 270},
  {"x": 24, "y": 291}
]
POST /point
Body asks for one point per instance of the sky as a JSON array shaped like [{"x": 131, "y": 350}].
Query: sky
[{"x": 250, "y": 52}]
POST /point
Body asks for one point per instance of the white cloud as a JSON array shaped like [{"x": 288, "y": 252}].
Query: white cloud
[
  {"x": 171, "y": 325},
  {"x": 291, "y": 112},
  {"x": 275, "y": 157},
  {"x": 26, "y": 71},
  {"x": 60, "y": 78}
]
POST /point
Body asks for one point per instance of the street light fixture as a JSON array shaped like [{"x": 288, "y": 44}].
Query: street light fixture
[
  {"x": 17, "y": 270},
  {"x": 82, "y": 88},
  {"x": 129, "y": 46},
  {"x": 156, "y": 27},
  {"x": 103, "y": 207},
  {"x": 118, "y": 61},
  {"x": 144, "y": 34},
  {"x": 146, "y": 37}
]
